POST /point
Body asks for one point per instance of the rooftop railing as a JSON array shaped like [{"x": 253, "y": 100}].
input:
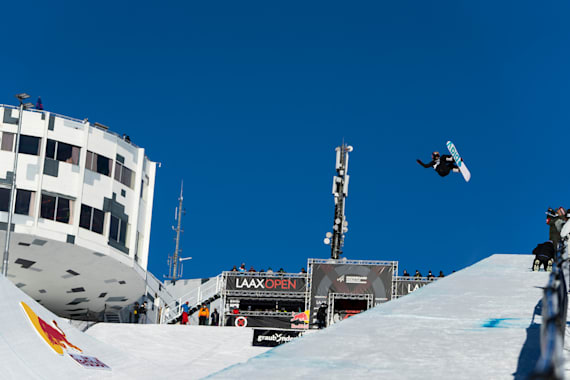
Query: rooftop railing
[{"x": 93, "y": 125}]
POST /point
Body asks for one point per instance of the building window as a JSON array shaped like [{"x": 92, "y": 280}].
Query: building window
[
  {"x": 29, "y": 145},
  {"x": 124, "y": 174},
  {"x": 24, "y": 200},
  {"x": 118, "y": 230},
  {"x": 98, "y": 163},
  {"x": 92, "y": 219},
  {"x": 56, "y": 208},
  {"x": 4, "y": 199},
  {"x": 7, "y": 143},
  {"x": 63, "y": 152}
]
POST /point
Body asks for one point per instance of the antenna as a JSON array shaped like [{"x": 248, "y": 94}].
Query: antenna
[
  {"x": 174, "y": 271},
  {"x": 340, "y": 191}
]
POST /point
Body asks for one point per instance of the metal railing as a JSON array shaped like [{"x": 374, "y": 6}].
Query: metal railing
[
  {"x": 93, "y": 125},
  {"x": 194, "y": 298},
  {"x": 550, "y": 364}
]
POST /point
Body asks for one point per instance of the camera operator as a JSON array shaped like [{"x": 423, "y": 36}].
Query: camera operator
[{"x": 556, "y": 220}]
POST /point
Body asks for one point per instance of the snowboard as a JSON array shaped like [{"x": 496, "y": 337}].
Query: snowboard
[{"x": 459, "y": 161}]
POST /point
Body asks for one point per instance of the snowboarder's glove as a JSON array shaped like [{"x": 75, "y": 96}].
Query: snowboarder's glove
[{"x": 419, "y": 162}]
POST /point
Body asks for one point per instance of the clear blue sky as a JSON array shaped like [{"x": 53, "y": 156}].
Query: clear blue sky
[{"x": 246, "y": 101}]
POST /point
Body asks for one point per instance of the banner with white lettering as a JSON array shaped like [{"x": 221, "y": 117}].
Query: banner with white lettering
[
  {"x": 272, "y": 338},
  {"x": 266, "y": 283},
  {"x": 406, "y": 285},
  {"x": 374, "y": 279}
]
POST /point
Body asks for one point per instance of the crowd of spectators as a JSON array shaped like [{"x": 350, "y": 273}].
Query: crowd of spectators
[
  {"x": 242, "y": 268},
  {"x": 203, "y": 316},
  {"x": 430, "y": 276}
]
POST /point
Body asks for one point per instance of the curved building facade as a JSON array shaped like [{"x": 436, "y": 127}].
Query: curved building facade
[{"x": 82, "y": 216}]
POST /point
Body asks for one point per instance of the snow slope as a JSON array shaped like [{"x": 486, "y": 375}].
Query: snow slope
[
  {"x": 132, "y": 351},
  {"x": 475, "y": 324},
  {"x": 478, "y": 323},
  {"x": 177, "y": 351},
  {"x": 23, "y": 353}
]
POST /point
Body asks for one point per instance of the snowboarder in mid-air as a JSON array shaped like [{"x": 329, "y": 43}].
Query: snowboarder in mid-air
[{"x": 443, "y": 165}]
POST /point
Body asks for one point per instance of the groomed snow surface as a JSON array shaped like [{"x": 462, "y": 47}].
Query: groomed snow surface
[{"x": 479, "y": 323}]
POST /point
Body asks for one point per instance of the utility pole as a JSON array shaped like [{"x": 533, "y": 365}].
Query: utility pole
[
  {"x": 21, "y": 97},
  {"x": 174, "y": 271},
  {"x": 340, "y": 192}
]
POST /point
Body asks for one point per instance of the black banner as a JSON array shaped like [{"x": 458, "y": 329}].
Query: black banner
[
  {"x": 406, "y": 285},
  {"x": 295, "y": 321},
  {"x": 265, "y": 283},
  {"x": 272, "y": 338},
  {"x": 350, "y": 279}
]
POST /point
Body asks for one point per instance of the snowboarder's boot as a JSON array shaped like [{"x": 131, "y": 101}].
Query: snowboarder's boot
[
  {"x": 549, "y": 265},
  {"x": 536, "y": 265}
]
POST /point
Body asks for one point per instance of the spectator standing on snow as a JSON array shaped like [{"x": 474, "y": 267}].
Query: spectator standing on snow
[
  {"x": 430, "y": 276},
  {"x": 418, "y": 274},
  {"x": 157, "y": 307},
  {"x": 185, "y": 310},
  {"x": 441, "y": 275},
  {"x": 322, "y": 316},
  {"x": 215, "y": 318},
  {"x": 203, "y": 315},
  {"x": 242, "y": 268},
  {"x": 556, "y": 221},
  {"x": 405, "y": 274},
  {"x": 142, "y": 312},
  {"x": 136, "y": 313}
]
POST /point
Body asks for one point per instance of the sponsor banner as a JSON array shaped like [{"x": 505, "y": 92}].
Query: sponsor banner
[
  {"x": 407, "y": 285},
  {"x": 298, "y": 321},
  {"x": 341, "y": 278},
  {"x": 277, "y": 283},
  {"x": 56, "y": 339},
  {"x": 272, "y": 338},
  {"x": 89, "y": 362}
]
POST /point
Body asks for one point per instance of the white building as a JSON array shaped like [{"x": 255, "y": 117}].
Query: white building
[{"x": 82, "y": 215}]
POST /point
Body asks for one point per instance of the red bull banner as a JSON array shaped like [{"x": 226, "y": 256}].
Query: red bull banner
[
  {"x": 246, "y": 282},
  {"x": 57, "y": 340},
  {"x": 272, "y": 338}
]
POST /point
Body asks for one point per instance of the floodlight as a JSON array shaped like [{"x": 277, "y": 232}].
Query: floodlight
[{"x": 22, "y": 96}]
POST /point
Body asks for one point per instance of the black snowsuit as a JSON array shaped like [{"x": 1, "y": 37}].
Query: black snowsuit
[
  {"x": 442, "y": 165},
  {"x": 544, "y": 252},
  {"x": 321, "y": 316}
]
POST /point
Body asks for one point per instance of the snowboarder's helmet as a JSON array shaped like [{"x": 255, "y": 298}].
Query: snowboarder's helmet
[{"x": 435, "y": 154}]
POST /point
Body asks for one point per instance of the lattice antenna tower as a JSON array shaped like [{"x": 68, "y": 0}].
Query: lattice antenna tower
[
  {"x": 340, "y": 192},
  {"x": 174, "y": 270}
]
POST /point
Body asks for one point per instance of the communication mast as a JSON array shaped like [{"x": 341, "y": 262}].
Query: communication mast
[
  {"x": 340, "y": 192},
  {"x": 175, "y": 271}
]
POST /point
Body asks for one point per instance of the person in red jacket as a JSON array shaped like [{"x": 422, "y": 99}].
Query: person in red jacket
[{"x": 185, "y": 310}]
